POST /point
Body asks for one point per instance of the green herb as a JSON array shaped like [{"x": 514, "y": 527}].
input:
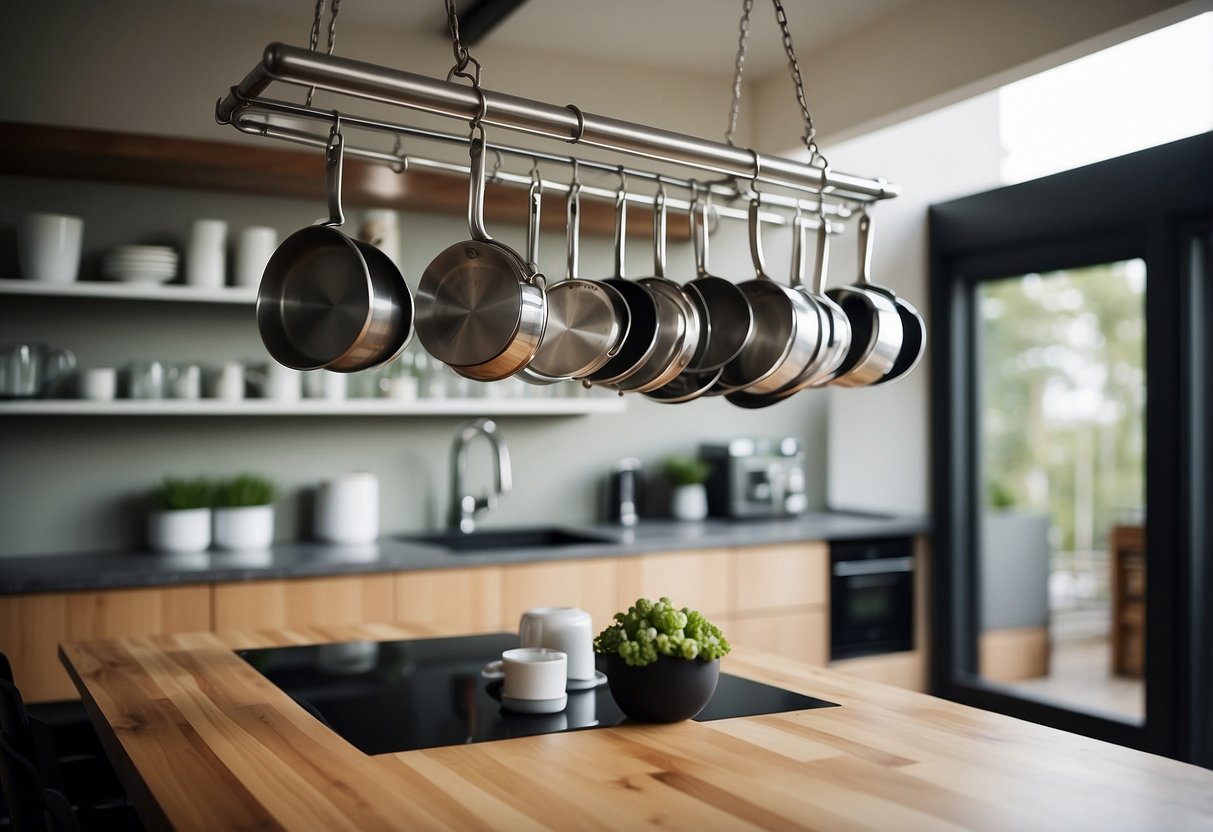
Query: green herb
[
  {"x": 179, "y": 493},
  {"x": 686, "y": 470},
  {"x": 648, "y": 630},
  {"x": 245, "y": 490},
  {"x": 999, "y": 494}
]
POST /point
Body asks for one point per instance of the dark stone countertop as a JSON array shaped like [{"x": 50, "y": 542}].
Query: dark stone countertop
[{"x": 116, "y": 570}]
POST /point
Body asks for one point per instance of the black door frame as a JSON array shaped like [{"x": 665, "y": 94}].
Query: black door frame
[{"x": 1156, "y": 204}]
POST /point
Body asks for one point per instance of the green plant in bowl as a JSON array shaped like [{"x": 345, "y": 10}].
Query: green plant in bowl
[
  {"x": 245, "y": 490},
  {"x": 181, "y": 493},
  {"x": 686, "y": 470},
  {"x": 662, "y": 662}
]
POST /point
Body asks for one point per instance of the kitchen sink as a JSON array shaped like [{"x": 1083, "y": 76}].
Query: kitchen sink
[{"x": 537, "y": 537}]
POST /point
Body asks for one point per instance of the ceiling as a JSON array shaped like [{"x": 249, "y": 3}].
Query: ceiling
[{"x": 693, "y": 35}]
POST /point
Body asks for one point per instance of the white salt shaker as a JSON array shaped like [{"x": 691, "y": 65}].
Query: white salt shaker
[
  {"x": 347, "y": 509},
  {"x": 205, "y": 254}
]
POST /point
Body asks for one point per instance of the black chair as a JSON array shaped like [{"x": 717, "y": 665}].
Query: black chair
[{"x": 32, "y": 807}]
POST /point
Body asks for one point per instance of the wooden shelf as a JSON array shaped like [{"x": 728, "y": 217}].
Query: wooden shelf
[
  {"x": 142, "y": 159},
  {"x": 318, "y": 407},
  {"x": 128, "y": 291}
]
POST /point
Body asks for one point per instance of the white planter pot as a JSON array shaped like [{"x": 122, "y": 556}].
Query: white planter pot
[
  {"x": 245, "y": 527},
  {"x": 689, "y": 502},
  {"x": 183, "y": 530}
]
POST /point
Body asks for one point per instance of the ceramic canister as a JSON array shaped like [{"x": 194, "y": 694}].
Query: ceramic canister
[{"x": 347, "y": 509}]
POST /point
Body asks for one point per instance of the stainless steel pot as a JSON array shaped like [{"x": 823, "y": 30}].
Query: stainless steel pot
[
  {"x": 479, "y": 308},
  {"x": 729, "y": 318},
  {"x": 914, "y": 329},
  {"x": 329, "y": 301}
]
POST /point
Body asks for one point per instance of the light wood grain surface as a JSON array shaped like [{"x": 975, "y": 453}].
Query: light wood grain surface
[{"x": 205, "y": 742}]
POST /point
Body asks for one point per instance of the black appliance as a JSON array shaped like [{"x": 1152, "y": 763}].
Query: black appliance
[
  {"x": 384, "y": 697},
  {"x": 871, "y": 597}
]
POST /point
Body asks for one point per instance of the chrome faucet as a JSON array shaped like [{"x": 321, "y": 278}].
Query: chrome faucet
[{"x": 465, "y": 506}]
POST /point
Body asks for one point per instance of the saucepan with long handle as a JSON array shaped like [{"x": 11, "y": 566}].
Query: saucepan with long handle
[{"x": 329, "y": 301}]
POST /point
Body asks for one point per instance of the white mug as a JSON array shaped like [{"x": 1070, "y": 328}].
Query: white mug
[
  {"x": 567, "y": 629},
  {"x": 533, "y": 673},
  {"x": 99, "y": 384},
  {"x": 185, "y": 381},
  {"x": 283, "y": 383},
  {"x": 336, "y": 385},
  {"x": 229, "y": 385},
  {"x": 205, "y": 253},
  {"x": 254, "y": 247},
  {"x": 48, "y": 247},
  {"x": 347, "y": 509}
]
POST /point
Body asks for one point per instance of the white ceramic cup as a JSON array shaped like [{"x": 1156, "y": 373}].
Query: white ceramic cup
[
  {"x": 283, "y": 383},
  {"x": 567, "y": 629},
  {"x": 253, "y": 249},
  {"x": 347, "y": 509},
  {"x": 147, "y": 380},
  {"x": 533, "y": 673},
  {"x": 336, "y": 385},
  {"x": 185, "y": 381},
  {"x": 205, "y": 254},
  {"x": 48, "y": 247},
  {"x": 99, "y": 384},
  {"x": 229, "y": 384}
]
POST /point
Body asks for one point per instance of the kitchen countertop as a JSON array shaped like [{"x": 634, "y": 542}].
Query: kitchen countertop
[
  {"x": 116, "y": 570},
  {"x": 203, "y": 741}
]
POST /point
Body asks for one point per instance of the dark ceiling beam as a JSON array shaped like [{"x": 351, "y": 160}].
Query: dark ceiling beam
[{"x": 482, "y": 17}]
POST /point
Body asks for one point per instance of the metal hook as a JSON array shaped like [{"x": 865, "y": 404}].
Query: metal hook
[
  {"x": 402, "y": 165},
  {"x": 498, "y": 161},
  {"x": 580, "y": 123},
  {"x": 623, "y": 180}
]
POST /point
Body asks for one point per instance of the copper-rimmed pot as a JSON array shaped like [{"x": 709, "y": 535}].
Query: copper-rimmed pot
[
  {"x": 329, "y": 301},
  {"x": 480, "y": 308}
]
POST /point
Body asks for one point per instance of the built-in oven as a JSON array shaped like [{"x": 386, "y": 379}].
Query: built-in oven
[{"x": 871, "y": 597}]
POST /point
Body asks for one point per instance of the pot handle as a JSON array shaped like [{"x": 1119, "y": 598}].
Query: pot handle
[
  {"x": 865, "y": 248},
  {"x": 659, "y": 221},
  {"x": 621, "y": 222},
  {"x": 823, "y": 257},
  {"x": 476, "y": 188},
  {"x": 532, "y": 227},
  {"x": 573, "y": 223},
  {"x": 698, "y": 215},
  {"x": 334, "y": 157},
  {"x": 760, "y": 268}
]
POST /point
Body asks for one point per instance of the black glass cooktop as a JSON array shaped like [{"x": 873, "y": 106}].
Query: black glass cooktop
[{"x": 392, "y": 696}]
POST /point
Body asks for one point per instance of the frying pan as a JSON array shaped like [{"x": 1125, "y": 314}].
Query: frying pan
[
  {"x": 787, "y": 329},
  {"x": 876, "y": 328},
  {"x": 641, "y": 338},
  {"x": 678, "y": 321},
  {"x": 729, "y": 316},
  {"x": 913, "y": 327},
  {"x": 329, "y": 301},
  {"x": 480, "y": 309},
  {"x": 587, "y": 320}
]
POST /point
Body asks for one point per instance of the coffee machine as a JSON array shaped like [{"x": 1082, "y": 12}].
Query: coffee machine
[{"x": 755, "y": 478}]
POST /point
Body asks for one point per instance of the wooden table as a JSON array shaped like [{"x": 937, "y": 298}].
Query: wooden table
[{"x": 203, "y": 741}]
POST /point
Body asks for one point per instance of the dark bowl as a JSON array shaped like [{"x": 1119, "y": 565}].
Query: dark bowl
[{"x": 669, "y": 690}]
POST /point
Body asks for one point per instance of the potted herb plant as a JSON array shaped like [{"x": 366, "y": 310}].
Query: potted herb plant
[
  {"x": 689, "y": 498},
  {"x": 180, "y": 516},
  {"x": 244, "y": 513},
  {"x": 662, "y": 662}
]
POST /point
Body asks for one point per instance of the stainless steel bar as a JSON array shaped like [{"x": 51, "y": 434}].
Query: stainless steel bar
[
  {"x": 291, "y": 64},
  {"x": 250, "y": 124}
]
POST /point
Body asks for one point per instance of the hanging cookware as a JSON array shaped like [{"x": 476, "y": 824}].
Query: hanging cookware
[
  {"x": 587, "y": 320},
  {"x": 678, "y": 320},
  {"x": 480, "y": 309},
  {"x": 913, "y": 328},
  {"x": 786, "y": 327},
  {"x": 876, "y": 330},
  {"x": 329, "y": 301},
  {"x": 729, "y": 316},
  {"x": 535, "y": 203},
  {"x": 641, "y": 338}
]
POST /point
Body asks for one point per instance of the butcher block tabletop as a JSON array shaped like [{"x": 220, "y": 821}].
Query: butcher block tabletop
[{"x": 202, "y": 740}]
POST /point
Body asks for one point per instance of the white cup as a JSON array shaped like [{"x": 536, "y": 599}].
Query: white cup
[
  {"x": 347, "y": 509},
  {"x": 99, "y": 384},
  {"x": 533, "y": 673},
  {"x": 254, "y": 246},
  {"x": 147, "y": 380},
  {"x": 185, "y": 381},
  {"x": 229, "y": 385},
  {"x": 283, "y": 383},
  {"x": 336, "y": 386},
  {"x": 48, "y": 247},
  {"x": 567, "y": 629},
  {"x": 205, "y": 253}
]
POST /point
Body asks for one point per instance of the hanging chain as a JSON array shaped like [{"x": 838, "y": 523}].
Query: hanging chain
[
  {"x": 314, "y": 40},
  {"x": 739, "y": 66},
  {"x": 462, "y": 56},
  {"x": 810, "y": 132}
]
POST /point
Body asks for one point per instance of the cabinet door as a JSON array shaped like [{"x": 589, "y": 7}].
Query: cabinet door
[
  {"x": 303, "y": 602},
  {"x": 770, "y": 577},
  {"x": 591, "y": 585},
  {"x": 804, "y": 636},
  {"x": 451, "y": 600},
  {"x": 33, "y": 626},
  {"x": 904, "y": 670},
  {"x": 697, "y": 579}
]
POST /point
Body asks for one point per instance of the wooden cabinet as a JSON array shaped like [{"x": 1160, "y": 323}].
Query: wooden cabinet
[
  {"x": 591, "y": 584},
  {"x": 773, "y": 577},
  {"x": 301, "y": 602},
  {"x": 469, "y": 600},
  {"x": 697, "y": 579},
  {"x": 804, "y": 636},
  {"x": 32, "y": 627}
]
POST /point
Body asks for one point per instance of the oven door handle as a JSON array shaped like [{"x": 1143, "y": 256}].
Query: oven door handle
[{"x": 880, "y": 566}]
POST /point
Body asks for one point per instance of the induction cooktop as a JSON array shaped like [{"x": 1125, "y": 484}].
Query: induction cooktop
[{"x": 390, "y": 696}]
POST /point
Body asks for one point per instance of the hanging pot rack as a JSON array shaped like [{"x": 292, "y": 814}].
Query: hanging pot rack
[{"x": 737, "y": 170}]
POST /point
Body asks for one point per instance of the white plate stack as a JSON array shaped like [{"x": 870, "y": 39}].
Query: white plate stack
[{"x": 140, "y": 264}]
